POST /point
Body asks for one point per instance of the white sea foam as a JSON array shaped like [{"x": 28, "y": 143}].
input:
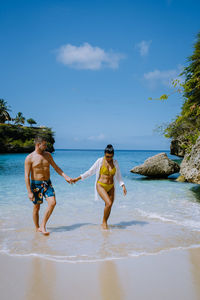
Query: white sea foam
[
  {"x": 186, "y": 223},
  {"x": 77, "y": 259}
]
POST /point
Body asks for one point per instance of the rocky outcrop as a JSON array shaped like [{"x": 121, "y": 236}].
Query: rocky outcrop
[
  {"x": 157, "y": 166},
  {"x": 190, "y": 166},
  {"x": 177, "y": 147}
]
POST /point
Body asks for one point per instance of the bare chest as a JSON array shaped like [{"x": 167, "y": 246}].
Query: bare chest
[{"x": 40, "y": 162}]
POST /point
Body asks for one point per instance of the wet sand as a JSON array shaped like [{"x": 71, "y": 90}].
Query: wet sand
[{"x": 168, "y": 275}]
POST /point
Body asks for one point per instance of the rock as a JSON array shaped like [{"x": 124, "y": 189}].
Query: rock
[
  {"x": 190, "y": 166},
  {"x": 177, "y": 147},
  {"x": 181, "y": 179},
  {"x": 158, "y": 166}
]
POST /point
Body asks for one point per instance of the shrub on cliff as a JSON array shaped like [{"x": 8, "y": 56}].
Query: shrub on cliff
[
  {"x": 187, "y": 125},
  {"x": 14, "y": 139}
]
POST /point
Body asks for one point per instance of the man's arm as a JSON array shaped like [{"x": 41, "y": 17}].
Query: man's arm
[
  {"x": 57, "y": 169},
  {"x": 27, "y": 177}
]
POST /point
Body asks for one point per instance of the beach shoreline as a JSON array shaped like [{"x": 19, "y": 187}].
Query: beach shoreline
[{"x": 167, "y": 275}]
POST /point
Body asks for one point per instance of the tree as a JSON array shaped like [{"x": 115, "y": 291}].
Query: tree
[
  {"x": 31, "y": 121},
  {"x": 19, "y": 119},
  {"x": 185, "y": 128},
  {"x": 4, "y": 111},
  {"x": 189, "y": 119}
]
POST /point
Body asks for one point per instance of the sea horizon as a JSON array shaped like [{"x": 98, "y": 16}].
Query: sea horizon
[{"x": 98, "y": 149}]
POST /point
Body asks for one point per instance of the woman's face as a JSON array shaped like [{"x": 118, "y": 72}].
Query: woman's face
[{"x": 109, "y": 156}]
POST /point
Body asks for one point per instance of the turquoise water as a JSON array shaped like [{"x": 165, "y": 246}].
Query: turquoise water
[{"x": 156, "y": 215}]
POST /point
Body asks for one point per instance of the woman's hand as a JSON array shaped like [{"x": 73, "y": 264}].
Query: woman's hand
[
  {"x": 124, "y": 190},
  {"x": 74, "y": 180}
]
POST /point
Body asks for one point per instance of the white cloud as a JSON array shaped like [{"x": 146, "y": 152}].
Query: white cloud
[
  {"x": 143, "y": 47},
  {"x": 158, "y": 77},
  {"x": 87, "y": 57},
  {"x": 100, "y": 137}
]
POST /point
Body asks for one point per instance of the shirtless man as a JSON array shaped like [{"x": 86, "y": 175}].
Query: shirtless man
[{"x": 38, "y": 164}]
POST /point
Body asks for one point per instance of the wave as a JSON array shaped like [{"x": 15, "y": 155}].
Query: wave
[
  {"x": 75, "y": 259},
  {"x": 186, "y": 223}
]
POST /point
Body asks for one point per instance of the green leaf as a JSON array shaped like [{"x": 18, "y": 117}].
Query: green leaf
[{"x": 163, "y": 97}]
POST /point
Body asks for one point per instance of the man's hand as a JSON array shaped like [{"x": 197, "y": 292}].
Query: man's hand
[
  {"x": 31, "y": 196},
  {"x": 68, "y": 179}
]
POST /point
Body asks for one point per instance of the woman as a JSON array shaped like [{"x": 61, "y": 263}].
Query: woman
[{"x": 107, "y": 170}]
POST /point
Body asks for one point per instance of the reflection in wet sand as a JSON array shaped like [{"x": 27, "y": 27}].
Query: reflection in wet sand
[
  {"x": 41, "y": 282},
  {"x": 110, "y": 282},
  {"x": 195, "y": 261},
  {"x": 108, "y": 276}
]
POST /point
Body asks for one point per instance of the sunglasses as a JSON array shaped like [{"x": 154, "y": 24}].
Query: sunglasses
[{"x": 108, "y": 156}]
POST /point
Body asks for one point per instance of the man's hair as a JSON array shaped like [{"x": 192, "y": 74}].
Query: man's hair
[{"x": 39, "y": 139}]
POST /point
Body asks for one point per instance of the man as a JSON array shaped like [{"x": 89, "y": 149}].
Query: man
[{"x": 38, "y": 164}]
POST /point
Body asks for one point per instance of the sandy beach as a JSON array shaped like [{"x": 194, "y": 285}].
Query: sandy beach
[{"x": 168, "y": 275}]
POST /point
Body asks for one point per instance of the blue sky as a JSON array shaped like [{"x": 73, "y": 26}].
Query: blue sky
[{"x": 87, "y": 68}]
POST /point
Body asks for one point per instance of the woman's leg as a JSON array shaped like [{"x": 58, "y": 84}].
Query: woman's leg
[{"x": 108, "y": 199}]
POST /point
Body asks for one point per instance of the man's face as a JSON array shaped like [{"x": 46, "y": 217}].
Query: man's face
[{"x": 43, "y": 146}]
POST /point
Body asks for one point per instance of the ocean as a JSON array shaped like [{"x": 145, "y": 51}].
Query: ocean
[{"x": 155, "y": 216}]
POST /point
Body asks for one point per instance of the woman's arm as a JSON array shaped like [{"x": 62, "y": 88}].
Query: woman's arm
[
  {"x": 89, "y": 172},
  {"x": 119, "y": 178}
]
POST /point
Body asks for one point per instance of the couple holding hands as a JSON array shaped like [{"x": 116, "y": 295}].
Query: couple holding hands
[{"x": 37, "y": 166}]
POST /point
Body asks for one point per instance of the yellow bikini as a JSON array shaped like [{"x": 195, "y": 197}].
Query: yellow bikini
[{"x": 104, "y": 171}]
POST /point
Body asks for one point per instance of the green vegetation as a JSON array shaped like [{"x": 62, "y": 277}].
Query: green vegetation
[
  {"x": 186, "y": 126},
  {"x": 15, "y": 138},
  {"x": 20, "y": 139},
  {"x": 31, "y": 121},
  {"x": 19, "y": 119},
  {"x": 4, "y": 111}
]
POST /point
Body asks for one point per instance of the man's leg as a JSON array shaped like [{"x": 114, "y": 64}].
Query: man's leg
[
  {"x": 36, "y": 208},
  {"x": 51, "y": 204}
]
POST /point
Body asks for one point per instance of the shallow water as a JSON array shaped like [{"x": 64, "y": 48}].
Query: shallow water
[{"x": 156, "y": 215}]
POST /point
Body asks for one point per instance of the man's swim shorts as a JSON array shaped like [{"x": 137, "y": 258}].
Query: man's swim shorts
[{"x": 41, "y": 189}]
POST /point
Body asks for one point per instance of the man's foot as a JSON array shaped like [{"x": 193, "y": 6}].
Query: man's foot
[
  {"x": 104, "y": 226},
  {"x": 43, "y": 231}
]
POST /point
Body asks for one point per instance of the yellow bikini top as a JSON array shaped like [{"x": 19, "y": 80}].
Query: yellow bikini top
[{"x": 104, "y": 170}]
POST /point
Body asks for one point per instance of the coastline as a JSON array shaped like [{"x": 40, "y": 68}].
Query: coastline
[{"x": 168, "y": 275}]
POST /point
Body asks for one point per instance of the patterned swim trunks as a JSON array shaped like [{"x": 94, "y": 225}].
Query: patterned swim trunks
[{"x": 42, "y": 189}]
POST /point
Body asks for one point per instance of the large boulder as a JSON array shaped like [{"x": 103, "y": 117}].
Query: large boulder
[
  {"x": 190, "y": 166},
  {"x": 158, "y": 166}
]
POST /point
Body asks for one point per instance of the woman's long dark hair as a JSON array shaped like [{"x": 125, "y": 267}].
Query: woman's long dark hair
[{"x": 109, "y": 149}]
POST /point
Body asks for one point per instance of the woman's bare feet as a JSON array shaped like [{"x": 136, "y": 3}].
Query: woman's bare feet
[
  {"x": 104, "y": 226},
  {"x": 43, "y": 231}
]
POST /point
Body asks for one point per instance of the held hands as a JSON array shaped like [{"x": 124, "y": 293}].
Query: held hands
[
  {"x": 71, "y": 180},
  {"x": 68, "y": 179},
  {"x": 74, "y": 180}
]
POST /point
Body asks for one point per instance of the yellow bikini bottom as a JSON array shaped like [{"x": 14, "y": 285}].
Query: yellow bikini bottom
[{"x": 106, "y": 186}]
